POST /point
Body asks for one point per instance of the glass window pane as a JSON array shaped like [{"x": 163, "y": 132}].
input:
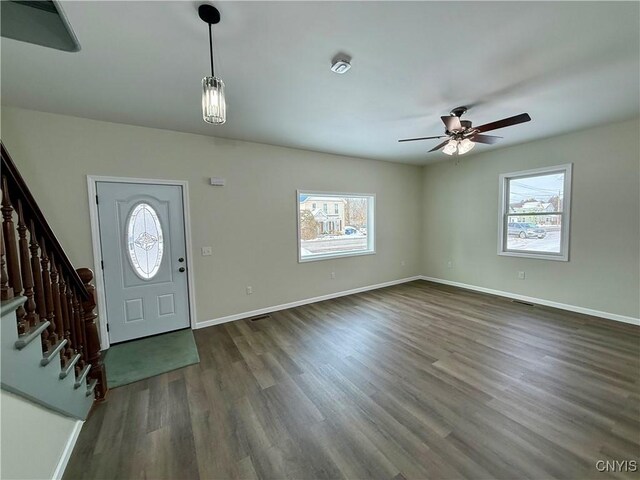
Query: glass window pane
[
  {"x": 542, "y": 193},
  {"x": 144, "y": 240},
  {"x": 338, "y": 230},
  {"x": 534, "y": 233}
]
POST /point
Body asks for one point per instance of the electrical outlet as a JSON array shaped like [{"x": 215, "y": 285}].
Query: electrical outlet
[
  {"x": 207, "y": 251},
  {"x": 450, "y": 264},
  {"x": 249, "y": 290},
  {"x": 333, "y": 275},
  {"x": 521, "y": 276},
  {"x": 403, "y": 263}
]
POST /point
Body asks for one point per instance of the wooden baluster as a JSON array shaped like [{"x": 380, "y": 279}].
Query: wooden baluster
[
  {"x": 13, "y": 264},
  {"x": 31, "y": 317},
  {"x": 79, "y": 324},
  {"x": 36, "y": 272},
  {"x": 50, "y": 337},
  {"x": 55, "y": 333},
  {"x": 93, "y": 342},
  {"x": 83, "y": 331},
  {"x": 72, "y": 320},
  {"x": 6, "y": 290},
  {"x": 60, "y": 313},
  {"x": 68, "y": 351}
]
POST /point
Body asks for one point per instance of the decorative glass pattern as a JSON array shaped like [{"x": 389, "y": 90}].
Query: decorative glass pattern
[{"x": 145, "y": 242}]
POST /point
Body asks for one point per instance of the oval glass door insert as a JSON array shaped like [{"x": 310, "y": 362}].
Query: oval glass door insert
[{"x": 144, "y": 238}]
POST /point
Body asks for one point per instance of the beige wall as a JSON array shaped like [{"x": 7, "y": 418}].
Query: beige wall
[
  {"x": 461, "y": 216},
  {"x": 426, "y": 216},
  {"x": 251, "y": 222},
  {"x": 33, "y": 438}
]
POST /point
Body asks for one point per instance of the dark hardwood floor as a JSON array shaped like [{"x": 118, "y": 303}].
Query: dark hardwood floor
[{"x": 414, "y": 381}]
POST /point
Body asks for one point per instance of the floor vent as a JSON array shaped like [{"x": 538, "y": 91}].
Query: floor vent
[
  {"x": 523, "y": 303},
  {"x": 260, "y": 317}
]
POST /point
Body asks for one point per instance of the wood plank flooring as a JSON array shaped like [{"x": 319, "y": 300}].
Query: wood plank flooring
[{"x": 414, "y": 381}]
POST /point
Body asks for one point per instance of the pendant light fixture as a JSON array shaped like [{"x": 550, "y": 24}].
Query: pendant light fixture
[{"x": 214, "y": 107}]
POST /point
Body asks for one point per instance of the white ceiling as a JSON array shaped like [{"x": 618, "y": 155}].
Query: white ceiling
[{"x": 569, "y": 65}]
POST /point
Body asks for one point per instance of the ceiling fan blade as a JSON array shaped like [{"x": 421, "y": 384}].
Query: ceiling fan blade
[
  {"x": 505, "y": 122},
  {"x": 489, "y": 139},
  {"x": 420, "y": 138},
  {"x": 438, "y": 147},
  {"x": 452, "y": 123}
]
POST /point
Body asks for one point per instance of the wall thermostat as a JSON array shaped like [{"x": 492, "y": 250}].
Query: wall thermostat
[{"x": 218, "y": 182}]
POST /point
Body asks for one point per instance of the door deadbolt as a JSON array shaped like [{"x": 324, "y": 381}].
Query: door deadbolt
[{"x": 181, "y": 259}]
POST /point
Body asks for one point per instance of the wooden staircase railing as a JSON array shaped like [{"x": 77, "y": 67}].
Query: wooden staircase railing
[{"x": 60, "y": 300}]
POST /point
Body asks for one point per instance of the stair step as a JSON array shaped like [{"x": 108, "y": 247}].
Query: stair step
[
  {"x": 68, "y": 368},
  {"x": 92, "y": 387},
  {"x": 26, "y": 338},
  {"x": 52, "y": 352},
  {"x": 11, "y": 305},
  {"x": 83, "y": 376}
]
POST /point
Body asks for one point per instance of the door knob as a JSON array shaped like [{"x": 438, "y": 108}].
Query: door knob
[{"x": 181, "y": 269}]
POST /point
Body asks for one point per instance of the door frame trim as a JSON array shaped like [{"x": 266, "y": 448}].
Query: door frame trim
[{"x": 92, "y": 180}]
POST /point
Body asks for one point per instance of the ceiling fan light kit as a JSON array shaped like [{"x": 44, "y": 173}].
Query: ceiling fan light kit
[
  {"x": 214, "y": 105},
  {"x": 465, "y": 145},
  {"x": 463, "y": 136},
  {"x": 451, "y": 147}
]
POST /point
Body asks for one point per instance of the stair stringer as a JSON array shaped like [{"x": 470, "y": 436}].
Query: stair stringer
[{"x": 23, "y": 374}]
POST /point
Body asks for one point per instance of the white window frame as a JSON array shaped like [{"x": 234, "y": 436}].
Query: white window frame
[
  {"x": 371, "y": 231},
  {"x": 503, "y": 213}
]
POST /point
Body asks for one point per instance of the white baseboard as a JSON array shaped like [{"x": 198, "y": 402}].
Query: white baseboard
[
  {"x": 306, "y": 301},
  {"x": 68, "y": 448},
  {"x": 500, "y": 293},
  {"x": 539, "y": 301}
]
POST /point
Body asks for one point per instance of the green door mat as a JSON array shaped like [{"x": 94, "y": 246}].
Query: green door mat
[{"x": 139, "y": 359}]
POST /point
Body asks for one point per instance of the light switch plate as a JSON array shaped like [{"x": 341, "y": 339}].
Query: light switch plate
[{"x": 207, "y": 251}]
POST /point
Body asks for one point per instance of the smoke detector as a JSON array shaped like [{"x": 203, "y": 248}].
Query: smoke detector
[{"x": 340, "y": 66}]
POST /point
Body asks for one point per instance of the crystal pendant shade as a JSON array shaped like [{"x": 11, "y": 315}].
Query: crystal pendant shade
[{"x": 214, "y": 107}]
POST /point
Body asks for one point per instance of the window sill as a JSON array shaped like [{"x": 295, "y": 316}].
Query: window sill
[
  {"x": 331, "y": 256},
  {"x": 539, "y": 256}
]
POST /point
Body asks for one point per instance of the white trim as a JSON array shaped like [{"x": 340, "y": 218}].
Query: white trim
[
  {"x": 371, "y": 225},
  {"x": 539, "y": 301},
  {"x": 503, "y": 212},
  {"x": 97, "y": 249},
  {"x": 330, "y": 256},
  {"x": 298, "y": 303},
  {"x": 68, "y": 449}
]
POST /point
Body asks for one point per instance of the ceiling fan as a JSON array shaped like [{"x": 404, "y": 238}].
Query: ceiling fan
[{"x": 462, "y": 136}]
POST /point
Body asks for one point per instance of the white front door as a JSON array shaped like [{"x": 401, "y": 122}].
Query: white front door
[{"x": 142, "y": 236}]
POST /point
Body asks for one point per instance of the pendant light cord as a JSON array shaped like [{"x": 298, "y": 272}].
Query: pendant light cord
[{"x": 211, "y": 50}]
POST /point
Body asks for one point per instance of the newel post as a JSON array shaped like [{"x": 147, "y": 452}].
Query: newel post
[{"x": 92, "y": 347}]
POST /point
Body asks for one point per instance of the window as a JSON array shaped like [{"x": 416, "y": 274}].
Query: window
[
  {"x": 321, "y": 236},
  {"x": 534, "y": 213},
  {"x": 144, "y": 239}
]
